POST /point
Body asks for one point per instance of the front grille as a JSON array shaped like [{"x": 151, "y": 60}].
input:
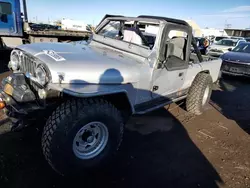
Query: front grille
[
  {"x": 27, "y": 64},
  {"x": 235, "y": 67}
]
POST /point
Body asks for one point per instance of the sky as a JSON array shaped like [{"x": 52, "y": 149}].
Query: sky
[{"x": 206, "y": 13}]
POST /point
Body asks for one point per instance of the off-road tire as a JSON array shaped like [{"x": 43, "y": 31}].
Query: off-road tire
[
  {"x": 66, "y": 121},
  {"x": 196, "y": 92}
]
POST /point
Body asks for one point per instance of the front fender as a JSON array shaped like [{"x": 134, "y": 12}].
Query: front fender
[{"x": 95, "y": 90}]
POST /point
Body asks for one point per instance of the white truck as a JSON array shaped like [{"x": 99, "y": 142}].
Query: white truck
[{"x": 14, "y": 23}]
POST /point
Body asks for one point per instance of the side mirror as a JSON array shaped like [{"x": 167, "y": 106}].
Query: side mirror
[
  {"x": 4, "y": 18},
  {"x": 229, "y": 49}
]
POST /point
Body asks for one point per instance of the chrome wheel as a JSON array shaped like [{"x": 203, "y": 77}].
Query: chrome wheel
[
  {"x": 205, "y": 96},
  {"x": 90, "y": 140}
]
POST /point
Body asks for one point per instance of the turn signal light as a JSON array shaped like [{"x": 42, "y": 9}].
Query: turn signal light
[
  {"x": 2, "y": 104},
  {"x": 8, "y": 89}
]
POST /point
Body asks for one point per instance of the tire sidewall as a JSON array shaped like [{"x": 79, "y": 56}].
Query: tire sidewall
[
  {"x": 62, "y": 151},
  {"x": 207, "y": 83},
  {"x": 194, "y": 101}
]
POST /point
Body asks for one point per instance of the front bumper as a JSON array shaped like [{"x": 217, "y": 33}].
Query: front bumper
[
  {"x": 235, "y": 74},
  {"x": 20, "y": 114},
  {"x": 235, "y": 69},
  {"x": 20, "y": 101}
]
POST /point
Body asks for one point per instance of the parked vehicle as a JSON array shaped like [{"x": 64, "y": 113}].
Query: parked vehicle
[
  {"x": 73, "y": 25},
  {"x": 42, "y": 27},
  {"x": 237, "y": 62},
  {"x": 237, "y": 38},
  {"x": 247, "y": 39},
  {"x": 12, "y": 24},
  {"x": 218, "y": 38},
  {"x": 89, "y": 91},
  {"x": 223, "y": 46}
]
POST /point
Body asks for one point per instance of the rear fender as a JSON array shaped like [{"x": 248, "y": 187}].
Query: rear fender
[{"x": 212, "y": 67}]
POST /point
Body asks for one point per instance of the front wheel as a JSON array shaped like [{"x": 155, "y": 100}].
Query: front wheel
[
  {"x": 199, "y": 93},
  {"x": 82, "y": 134}
]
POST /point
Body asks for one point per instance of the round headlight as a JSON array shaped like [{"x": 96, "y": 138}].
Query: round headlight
[
  {"x": 14, "y": 61},
  {"x": 41, "y": 75}
]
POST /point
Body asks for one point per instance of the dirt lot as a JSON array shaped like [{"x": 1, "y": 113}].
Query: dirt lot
[{"x": 166, "y": 148}]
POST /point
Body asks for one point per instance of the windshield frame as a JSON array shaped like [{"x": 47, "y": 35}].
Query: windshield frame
[{"x": 128, "y": 47}]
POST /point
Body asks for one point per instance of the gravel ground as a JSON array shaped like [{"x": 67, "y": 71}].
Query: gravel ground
[{"x": 165, "y": 148}]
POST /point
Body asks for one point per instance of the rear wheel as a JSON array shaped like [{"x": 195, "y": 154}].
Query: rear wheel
[
  {"x": 82, "y": 134},
  {"x": 199, "y": 94}
]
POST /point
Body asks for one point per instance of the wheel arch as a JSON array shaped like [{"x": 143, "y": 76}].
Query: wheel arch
[
  {"x": 119, "y": 99},
  {"x": 122, "y": 96},
  {"x": 205, "y": 71},
  {"x": 214, "y": 73},
  {"x": 201, "y": 72}
]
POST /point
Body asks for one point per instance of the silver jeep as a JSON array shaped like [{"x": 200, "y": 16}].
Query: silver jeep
[{"x": 86, "y": 92}]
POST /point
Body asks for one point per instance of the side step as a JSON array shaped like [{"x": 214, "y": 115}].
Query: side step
[{"x": 155, "y": 104}]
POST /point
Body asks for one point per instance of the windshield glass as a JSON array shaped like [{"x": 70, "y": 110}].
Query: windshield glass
[
  {"x": 227, "y": 42},
  {"x": 136, "y": 32},
  {"x": 111, "y": 29},
  {"x": 248, "y": 39},
  {"x": 219, "y": 38},
  {"x": 236, "y": 38},
  {"x": 243, "y": 47}
]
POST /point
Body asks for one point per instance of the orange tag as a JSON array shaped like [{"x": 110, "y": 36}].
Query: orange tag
[{"x": 8, "y": 89}]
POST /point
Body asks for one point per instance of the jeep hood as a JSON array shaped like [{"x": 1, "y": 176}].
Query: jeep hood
[
  {"x": 74, "y": 63},
  {"x": 236, "y": 57}
]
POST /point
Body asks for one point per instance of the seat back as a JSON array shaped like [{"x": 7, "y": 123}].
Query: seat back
[
  {"x": 178, "y": 47},
  {"x": 130, "y": 35}
]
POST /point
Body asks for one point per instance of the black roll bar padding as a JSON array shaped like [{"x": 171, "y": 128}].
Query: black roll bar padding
[{"x": 193, "y": 42}]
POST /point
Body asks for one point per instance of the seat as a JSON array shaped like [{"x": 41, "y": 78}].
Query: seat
[
  {"x": 130, "y": 35},
  {"x": 178, "y": 47}
]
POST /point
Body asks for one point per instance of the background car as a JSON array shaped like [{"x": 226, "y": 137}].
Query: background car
[
  {"x": 247, "y": 39},
  {"x": 223, "y": 46},
  {"x": 218, "y": 38},
  {"x": 237, "y": 61},
  {"x": 238, "y": 38}
]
